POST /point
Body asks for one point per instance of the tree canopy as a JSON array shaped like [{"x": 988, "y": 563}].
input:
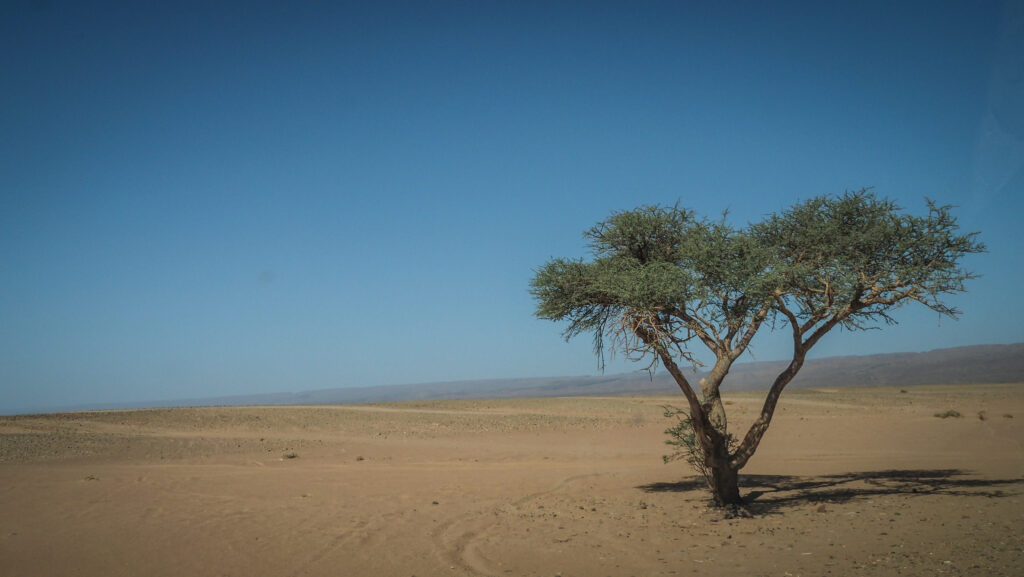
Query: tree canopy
[{"x": 663, "y": 280}]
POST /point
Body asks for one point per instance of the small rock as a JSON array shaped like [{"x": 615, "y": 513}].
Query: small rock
[{"x": 822, "y": 509}]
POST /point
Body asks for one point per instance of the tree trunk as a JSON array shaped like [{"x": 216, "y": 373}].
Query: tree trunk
[
  {"x": 723, "y": 477},
  {"x": 715, "y": 409},
  {"x": 726, "y": 487}
]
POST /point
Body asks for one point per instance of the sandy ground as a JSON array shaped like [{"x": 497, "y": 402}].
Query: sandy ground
[{"x": 847, "y": 482}]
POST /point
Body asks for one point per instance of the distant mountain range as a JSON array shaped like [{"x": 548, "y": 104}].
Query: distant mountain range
[{"x": 960, "y": 365}]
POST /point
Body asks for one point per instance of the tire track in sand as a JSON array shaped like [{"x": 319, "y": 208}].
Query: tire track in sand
[{"x": 453, "y": 539}]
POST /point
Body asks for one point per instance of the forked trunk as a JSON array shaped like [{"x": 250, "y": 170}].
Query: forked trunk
[{"x": 710, "y": 426}]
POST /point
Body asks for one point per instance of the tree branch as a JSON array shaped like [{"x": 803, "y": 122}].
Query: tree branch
[
  {"x": 758, "y": 428},
  {"x": 698, "y": 416}
]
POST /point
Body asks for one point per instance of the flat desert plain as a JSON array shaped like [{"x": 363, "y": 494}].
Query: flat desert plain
[{"x": 852, "y": 481}]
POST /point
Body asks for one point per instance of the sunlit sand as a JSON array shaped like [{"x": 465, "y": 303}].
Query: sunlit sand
[{"x": 848, "y": 481}]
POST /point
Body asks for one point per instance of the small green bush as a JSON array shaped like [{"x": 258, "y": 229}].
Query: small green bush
[
  {"x": 948, "y": 414},
  {"x": 686, "y": 447}
]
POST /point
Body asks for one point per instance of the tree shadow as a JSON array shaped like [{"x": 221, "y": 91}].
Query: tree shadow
[{"x": 773, "y": 493}]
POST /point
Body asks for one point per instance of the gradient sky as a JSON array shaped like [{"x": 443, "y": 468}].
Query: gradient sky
[{"x": 255, "y": 197}]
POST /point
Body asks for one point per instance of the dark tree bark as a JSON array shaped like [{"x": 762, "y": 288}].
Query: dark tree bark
[{"x": 724, "y": 478}]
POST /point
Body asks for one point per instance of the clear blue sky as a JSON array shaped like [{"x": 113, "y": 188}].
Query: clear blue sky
[{"x": 258, "y": 197}]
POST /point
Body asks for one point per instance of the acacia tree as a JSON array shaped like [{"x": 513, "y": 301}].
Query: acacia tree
[{"x": 663, "y": 282}]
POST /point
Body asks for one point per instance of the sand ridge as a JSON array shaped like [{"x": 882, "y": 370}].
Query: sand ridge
[{"x": 848, "y": 481}]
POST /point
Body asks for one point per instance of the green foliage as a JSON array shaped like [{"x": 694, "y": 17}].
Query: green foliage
[
  {"x": 652, "y": 264},
  {"x": 859, "y": 250},
  {"x": 660, "y": 276}
]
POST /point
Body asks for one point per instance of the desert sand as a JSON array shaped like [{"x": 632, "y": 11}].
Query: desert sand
[{"x": 850, "y": 481}]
